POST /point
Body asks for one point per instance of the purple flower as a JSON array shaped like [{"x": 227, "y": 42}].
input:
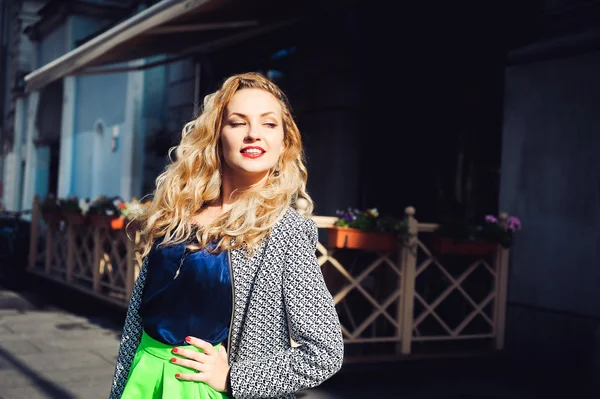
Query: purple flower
[
  {"x": 491, "y": 219},
  {"x": 513, "y": 223},
  {"x": 349, "y": 218}
]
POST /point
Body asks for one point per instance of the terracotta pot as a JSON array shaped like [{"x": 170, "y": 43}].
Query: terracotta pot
[
  {"x": 450, "y": 246},
  {"x": 74, "y": 218},
  {"x": 347, "y": 237}
]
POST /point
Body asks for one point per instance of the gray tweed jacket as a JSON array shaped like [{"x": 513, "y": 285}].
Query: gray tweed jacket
[{"x": 279, "y": 293}]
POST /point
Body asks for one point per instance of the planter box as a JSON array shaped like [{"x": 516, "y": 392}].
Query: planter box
[
  {"x": 76, "y": 219},
  {"x": 450, "y": 246},
  {"x": 346, "y": 237},
  {"x": 53, "y": 218},
  {"x": 103, "y": 221}
]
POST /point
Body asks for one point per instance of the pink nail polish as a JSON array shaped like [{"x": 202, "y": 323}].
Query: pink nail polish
[
  {"x": 187, "y": 339},
  {"x": 174, "y": 350},
  {"x": 173, "y": 360}
]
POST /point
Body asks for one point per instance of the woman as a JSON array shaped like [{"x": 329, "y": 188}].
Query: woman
[{"x": 229, "y": 277}]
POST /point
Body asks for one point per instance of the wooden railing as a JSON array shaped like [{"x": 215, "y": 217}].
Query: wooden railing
[
  {"x": 409, "y": 301},
  {"x": 93, "y": 259}
]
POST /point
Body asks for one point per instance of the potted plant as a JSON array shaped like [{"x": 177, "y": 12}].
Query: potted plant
[
  {"x": 72, "y": 211},
  {"x": 103, "y": 210},
  {"x": 366, "y": 229},
  {"x": 501, "y": 231},
  {"x": 50, "y": 209},
  {"x": 458, "y": 237},
  {"x": 131, "y": 210}
]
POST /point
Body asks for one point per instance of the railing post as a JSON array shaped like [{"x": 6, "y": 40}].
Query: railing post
[
  {"x": 70, "y": 251},
  {"x": 130, "y": 264},
  {"x": 502, "y": 255},
  {"x": 34, "y": 232},
  {"x": 98, "y": 250},
  {"x": 138, "y": 256},
  {"x": 302, "y": 205},
  {"x": 49, "y": 247},
  {"x": 407, "y": 296}
]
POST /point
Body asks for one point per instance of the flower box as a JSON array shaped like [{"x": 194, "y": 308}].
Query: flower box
[
  {"x": 348, "y": 237},
  {"x": 52, "y": 218},
  {"x": 75, "y": 218},
  {"x": 450, "y": 246},
  {"x": 102, "y": 221}
]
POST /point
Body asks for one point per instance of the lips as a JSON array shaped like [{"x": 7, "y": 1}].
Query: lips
[{"x": 252, "y": 152}]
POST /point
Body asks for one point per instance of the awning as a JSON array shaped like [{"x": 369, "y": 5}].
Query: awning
[{"x": 176, "y": 28}]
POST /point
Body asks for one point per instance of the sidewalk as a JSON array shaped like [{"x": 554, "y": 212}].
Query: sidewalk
[
  {"x": 47, "y": 352},
  {"x": 51, "y": 353}
]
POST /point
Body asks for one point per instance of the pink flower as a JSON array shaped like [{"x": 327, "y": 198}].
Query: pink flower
[
  {"x": 491, "y": 219},
  {"x": 513, "y": 223}
]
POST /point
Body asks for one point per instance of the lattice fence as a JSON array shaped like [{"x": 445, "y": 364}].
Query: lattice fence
[
  {"x": 409, "y": 301},
  {"x": 415, "y": 301},
  {"x": 91, "y": 258}
]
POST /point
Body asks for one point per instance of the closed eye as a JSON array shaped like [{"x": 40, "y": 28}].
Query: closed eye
[{"x": 271, "y": 125}]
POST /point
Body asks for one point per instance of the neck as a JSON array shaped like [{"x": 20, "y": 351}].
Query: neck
[{"x": 232, "y": 184}]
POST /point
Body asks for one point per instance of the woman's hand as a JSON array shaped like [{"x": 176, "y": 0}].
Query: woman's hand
[{"x": 211, "y": 366}]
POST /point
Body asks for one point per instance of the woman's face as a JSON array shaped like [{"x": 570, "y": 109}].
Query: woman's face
[{"x": 252, "y": 133}]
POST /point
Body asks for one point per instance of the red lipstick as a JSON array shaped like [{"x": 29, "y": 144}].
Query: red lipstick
[{"x": 252, "y": 152}]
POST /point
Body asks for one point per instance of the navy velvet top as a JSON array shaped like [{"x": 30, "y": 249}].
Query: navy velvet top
[{"x": 197, "y": 302}]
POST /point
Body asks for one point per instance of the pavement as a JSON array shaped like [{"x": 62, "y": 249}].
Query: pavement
[{"x": 57, "y": 345}]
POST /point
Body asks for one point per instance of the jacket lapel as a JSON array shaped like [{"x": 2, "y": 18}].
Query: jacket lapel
[{"x": 245, "y": 269}]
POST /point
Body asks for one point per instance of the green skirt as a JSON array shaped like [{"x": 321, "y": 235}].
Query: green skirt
[{"x": 152, "y": 375}]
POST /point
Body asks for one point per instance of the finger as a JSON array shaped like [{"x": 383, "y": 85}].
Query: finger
[
  {"x": 223, "y": 352},
  {"x": 194, "y": 355},
  {"x": 198, "y": 343},
  {"x": 190, "y": 364},
  {"x": 201, "y": 377}
]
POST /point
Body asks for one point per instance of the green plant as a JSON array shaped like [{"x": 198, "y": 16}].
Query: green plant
[
  {"x": 501, "y": 231},
  {"x": 49, "y": 204},
  {"x": 104, "y": 206},
  {"x": 70, "y": 204},
  {"x": 458, "y": 228},
  {"x": 371, "y": 220},
  {"x": 493, "y": 229},
  {"x": 132, "y": 209}
]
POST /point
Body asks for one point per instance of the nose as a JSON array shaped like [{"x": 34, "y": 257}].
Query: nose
[{"x": 253, "y": 133}]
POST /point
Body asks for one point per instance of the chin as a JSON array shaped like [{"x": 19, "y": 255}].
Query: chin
[
  {"x": 254, "y": 167},
  {"x": 252, "y": 171},
  {"x": 258, "y": 173}
]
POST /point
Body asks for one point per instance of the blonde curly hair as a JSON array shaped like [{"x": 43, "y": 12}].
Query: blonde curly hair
[{"x": 193, "y": 179}]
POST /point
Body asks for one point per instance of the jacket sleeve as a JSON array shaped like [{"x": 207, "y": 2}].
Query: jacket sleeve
[
  {"x": 313, "y": 324},
  {"x": 131, "y": 336}
]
